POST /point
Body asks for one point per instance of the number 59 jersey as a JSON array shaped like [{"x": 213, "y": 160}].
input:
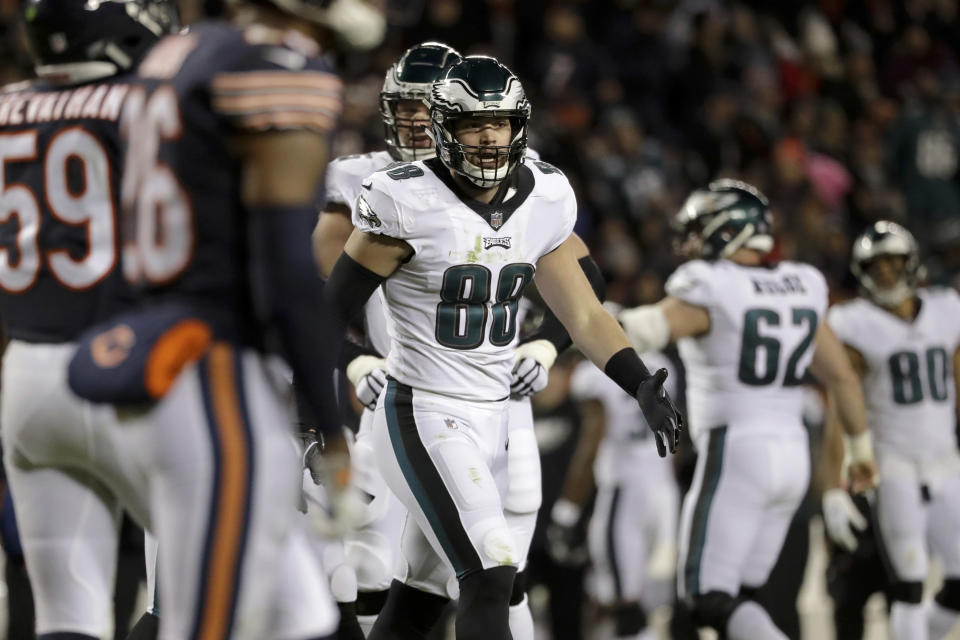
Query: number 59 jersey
[
  {"x": 745, "y": 372},
  {"x": 453, "y": 305},
  {"x": 909, "y": 383},
  {"x": 59, "y": 185}
]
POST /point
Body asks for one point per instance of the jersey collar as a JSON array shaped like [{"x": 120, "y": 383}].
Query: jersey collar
[{"x": 495, "y": 213}]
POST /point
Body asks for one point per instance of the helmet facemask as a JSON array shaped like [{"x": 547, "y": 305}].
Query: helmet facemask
[
  {"x": 887, "y": 239},
  {"x": 407, "y": 136},
  {"x": 484, "y": 166}
]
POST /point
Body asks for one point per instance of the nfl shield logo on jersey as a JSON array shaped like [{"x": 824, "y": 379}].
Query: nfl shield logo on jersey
[{"x": 496, "y": 219}]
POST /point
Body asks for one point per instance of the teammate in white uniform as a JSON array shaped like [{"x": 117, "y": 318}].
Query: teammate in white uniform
[
  {"x": 903, "y": 342},
  {"x": 747, "y": 334},
  {"x": 372, "y": 549},
  {"x": 454, "y": 241},
  {"x": 632, "y": 533}
]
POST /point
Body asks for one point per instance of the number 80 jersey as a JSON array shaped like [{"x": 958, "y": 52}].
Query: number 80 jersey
[
  {"x": 453, "y": 305},
  {"x": 909, "y": 382},
  {"x": 746, "y": 371}
]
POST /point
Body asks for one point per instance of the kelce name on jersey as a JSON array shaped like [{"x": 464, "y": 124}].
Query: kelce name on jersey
[
  {"x": 784, "y": 285},
  {"x": 96, "y": 101}
]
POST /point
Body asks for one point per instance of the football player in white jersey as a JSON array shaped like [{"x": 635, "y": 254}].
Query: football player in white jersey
[
  {"x": 453, "y": 241},
  {"x": 632, "y": 533},
  {"x": 747, "y": 333},
  {"x": 904, "y": 342},
  {"x": 372, "y": 549}
]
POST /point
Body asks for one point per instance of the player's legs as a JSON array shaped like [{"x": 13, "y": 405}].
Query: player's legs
[
  {"x": 736, "y": 480},
  {"x": 521, "y": 505},
  {"x": 68, "y": 466},
  {"x": 224, "y": 494},
  {"x": 373, "y": 549},
  {"x": 944, "y": 515},
  {"x": 901, "y": 535},
  {"x": 618, "y": 544},
  {"x": 305, "y": 606},
  {"x": 446, "y": 461}
]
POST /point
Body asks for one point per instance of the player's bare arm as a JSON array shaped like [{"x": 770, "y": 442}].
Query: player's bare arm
[
  {"x": 568, "y": 293},
  {"x": 833, "y": 368},
  {"x": 330, "y": 235}
]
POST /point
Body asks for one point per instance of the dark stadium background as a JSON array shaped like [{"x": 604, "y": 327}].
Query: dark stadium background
[{"x": 842, "y": 112}]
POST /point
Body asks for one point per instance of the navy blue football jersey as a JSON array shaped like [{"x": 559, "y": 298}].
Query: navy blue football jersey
[
  {"x": 187, "y": 236},
  {"x": 59, "y": 198}
]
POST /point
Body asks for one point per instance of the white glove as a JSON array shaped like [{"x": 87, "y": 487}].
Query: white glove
[
  {"x": 533, "y": 361},
  {"x": 368, "y": 374},
  {"x": 841, "y": 517},
  {"x": 341, "y": 509}
]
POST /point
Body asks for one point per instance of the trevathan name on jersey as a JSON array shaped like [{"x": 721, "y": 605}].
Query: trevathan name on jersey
[
  {"x": 476, "y": 260},
  {"x": 909, "y": 374},
  {"x": 772, "y": 314}
]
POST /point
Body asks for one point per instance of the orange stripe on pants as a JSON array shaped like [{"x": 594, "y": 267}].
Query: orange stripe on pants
[{"x": 231, "y": 503}]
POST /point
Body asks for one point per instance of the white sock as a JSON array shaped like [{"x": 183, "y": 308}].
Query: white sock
[
  {"x": 907, "y": 621},
  {"x": 940, "y": 620},
  {"x": 366, "y": 623},
  {"x": 521, "y": 620},
  {"x": 750, "y": 622}
]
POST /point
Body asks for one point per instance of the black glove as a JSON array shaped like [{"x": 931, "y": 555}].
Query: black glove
[{"x": 661, "y": 414}]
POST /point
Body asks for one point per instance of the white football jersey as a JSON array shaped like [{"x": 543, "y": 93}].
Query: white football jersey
[
  {"x": 344, "y": 176},
  {"x": 909, "y": 385},
  {"x": 628, "y": 445},
  {"x": 453, "y": 305},
  {"x": 745, "y": 372}
]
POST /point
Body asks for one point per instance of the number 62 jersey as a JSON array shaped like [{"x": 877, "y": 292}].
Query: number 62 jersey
[
  {"x": 453, "y": 305},
  {"x": 909, "y": 383},
  {"x": 746, "y": 371}
]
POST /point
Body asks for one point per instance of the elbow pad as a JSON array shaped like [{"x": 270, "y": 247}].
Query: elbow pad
[{"x": 646, "y": 327}]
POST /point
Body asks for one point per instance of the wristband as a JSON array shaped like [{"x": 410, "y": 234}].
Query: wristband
[
  {"x": 860, "y": 447},
  {"x": 626, "y": 369}
]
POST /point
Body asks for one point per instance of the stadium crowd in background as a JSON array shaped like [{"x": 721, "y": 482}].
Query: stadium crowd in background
[{"x": 843, "y": 112}]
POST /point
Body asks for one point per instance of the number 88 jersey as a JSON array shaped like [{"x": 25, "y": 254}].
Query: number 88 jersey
[
  {"x": 746, "y": 371},
  {"x": 59, "y": 183},
  {"x": 454, "y": 304},
  {"x": 909, "y": 383}
]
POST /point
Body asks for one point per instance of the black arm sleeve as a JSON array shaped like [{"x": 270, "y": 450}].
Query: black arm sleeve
[
  {"x": 291, "y": 298},
  {"x": 351, "y": 285},
  {"x": 551, "y": 328}
]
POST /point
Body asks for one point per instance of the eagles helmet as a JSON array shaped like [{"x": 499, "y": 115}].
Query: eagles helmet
[
  {"x": 75, "y": 41},
  {"x": 410, "y": 78},
  {"x": 479, "y": 86},
  {"x": 885, "y": 238},
  {"x": 727, "y": 215}
]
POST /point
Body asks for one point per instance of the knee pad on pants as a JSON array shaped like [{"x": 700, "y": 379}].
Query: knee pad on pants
[
  {"x": 373, "y": 563},
  {"x": 949, "y": 596},
  {"x": 713, "y": 609},
  {"x": 909, "y": 592}
]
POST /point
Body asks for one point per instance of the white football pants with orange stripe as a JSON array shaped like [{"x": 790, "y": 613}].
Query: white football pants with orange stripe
[{"x": 225, "y": 483}]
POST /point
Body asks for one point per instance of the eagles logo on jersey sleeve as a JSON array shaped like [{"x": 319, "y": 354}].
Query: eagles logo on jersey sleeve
[
  {"x": 376, "y": 212},
  {"x": 691, "y": 283}
]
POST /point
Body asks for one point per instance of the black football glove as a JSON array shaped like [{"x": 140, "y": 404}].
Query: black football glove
[{"x": 660, "y": 412}]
